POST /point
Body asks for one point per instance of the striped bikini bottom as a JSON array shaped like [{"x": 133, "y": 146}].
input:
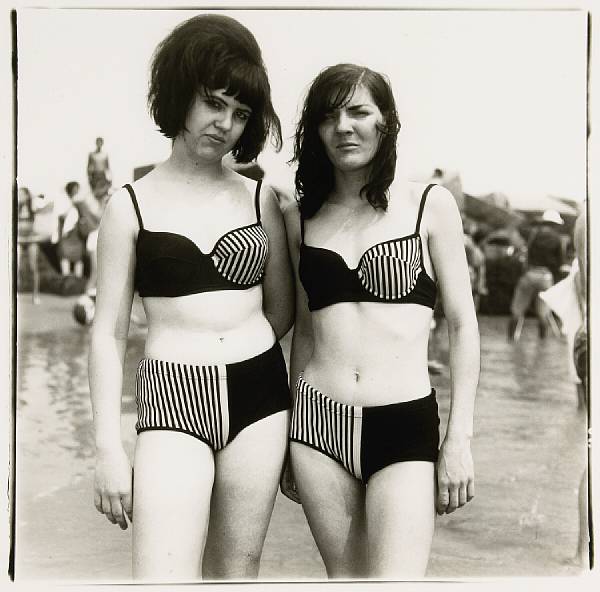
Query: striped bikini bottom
[
  {"x": 212, "y": 403},
  {"x": 366, "y": 439}
]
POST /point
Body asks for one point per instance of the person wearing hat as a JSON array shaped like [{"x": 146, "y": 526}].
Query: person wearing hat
[{"x": 544, "y": 258}]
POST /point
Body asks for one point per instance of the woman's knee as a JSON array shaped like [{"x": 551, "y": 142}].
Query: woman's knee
[
  {"x": 333, "y": 501},
  {"x": 224, "y": 564}
]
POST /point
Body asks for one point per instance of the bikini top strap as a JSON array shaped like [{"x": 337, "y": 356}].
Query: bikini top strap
[
  {"x": 257, "y": 199},
  {"x": 422, "y": 205},
  {"x": 135, "y": 204}
]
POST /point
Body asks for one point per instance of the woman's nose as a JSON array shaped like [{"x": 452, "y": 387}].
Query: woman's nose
[
  {"x": 225, "y": 119},
  {"x": 342, "y": 122}
]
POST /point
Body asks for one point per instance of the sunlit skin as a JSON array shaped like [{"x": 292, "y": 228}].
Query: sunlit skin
[
  {"x": 371, "y": 353},
  {"x": 350, "y": 133},
  {"x": 214, "y": 124},
  {"x": 181, "y": 486}
]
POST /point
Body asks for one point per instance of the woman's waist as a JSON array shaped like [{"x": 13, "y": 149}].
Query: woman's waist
[
  {"x": 370, "y": 381},
  {"x": 314, "y": 397},
  {"x": 195, "y": 343},
  {"x": 367, "y": 347},
  {"x": 241, "y": 370}
]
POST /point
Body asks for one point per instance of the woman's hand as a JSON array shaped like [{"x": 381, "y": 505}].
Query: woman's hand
[
  {"x": 455, "y": 477},
  {"x": 113, "y": 486},
  {"x": 287, "y": 482}
]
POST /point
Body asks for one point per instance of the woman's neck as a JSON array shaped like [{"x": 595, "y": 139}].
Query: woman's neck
[
  {"x": 347, "y": 187},
  {"x": 187, "y": 167}
]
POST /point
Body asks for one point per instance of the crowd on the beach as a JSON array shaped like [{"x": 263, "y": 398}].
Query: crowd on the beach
[{"x": 59, "y": 255}]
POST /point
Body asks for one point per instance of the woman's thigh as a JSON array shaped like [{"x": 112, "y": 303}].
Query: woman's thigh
[
  {"x": 400, "y": 520},
  {"x": 333, "y": 501},
  {"x": 173, "y": 477},
  {"x": 247, "y": 473}
]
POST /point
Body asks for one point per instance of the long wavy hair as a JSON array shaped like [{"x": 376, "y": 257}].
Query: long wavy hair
[{"x": 330, "y": 90}]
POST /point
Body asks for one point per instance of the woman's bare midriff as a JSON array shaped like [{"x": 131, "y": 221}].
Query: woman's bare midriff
[
  {"x": 218, "y": 327},
  {"x": 370, "y": 353}
]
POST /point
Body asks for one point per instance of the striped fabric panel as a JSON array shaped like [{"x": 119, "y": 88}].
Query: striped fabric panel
[
  {"x": 390, "y": 270},
  {"x": 240, "y": 255},
  {"x": 331, "y": 427},
  {"x": 183, "y": 397}
]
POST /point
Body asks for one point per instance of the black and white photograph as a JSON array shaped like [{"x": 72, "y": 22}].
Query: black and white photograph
[{"x": 300, "y": 294}]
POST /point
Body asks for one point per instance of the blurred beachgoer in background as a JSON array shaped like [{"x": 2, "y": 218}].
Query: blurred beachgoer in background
[
  {"x": 98, "y": 170},
  {"x": 544, "y": 259},
  {"x": 27, "y": 239},
  {"x": 90, "y": 210},
  {"x": 475, "y": 260},
  {"x": 71, "y": 246},
  {"x": 25, "y": 211}
]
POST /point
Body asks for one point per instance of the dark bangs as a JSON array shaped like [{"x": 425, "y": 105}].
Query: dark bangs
[
  {"x": 246, "y": 82},
  {"x": 326, "y": 94}
]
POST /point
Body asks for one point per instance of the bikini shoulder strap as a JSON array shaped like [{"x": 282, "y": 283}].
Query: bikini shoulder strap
[
  {"x": 422, "y": 206},
  {"x": 135, "y": 204},
  {"x": 257, "y": 199}
]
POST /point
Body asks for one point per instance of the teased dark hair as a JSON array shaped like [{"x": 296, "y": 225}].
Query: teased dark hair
[
  {"x": 331, "y": 89},
  {"x": 210, "y": 52}
]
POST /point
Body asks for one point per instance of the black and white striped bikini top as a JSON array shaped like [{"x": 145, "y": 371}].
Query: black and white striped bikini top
[
  {"x": 170, "y": 264},
  {"x": 391, "y": 271}
]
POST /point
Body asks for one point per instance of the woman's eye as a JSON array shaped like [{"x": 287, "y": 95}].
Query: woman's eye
[
  {"x": 212, "y": 104},
  {"x": 243, "y": 116}
]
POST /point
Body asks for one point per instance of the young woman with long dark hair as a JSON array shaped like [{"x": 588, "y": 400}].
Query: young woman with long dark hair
[{"x": 371, "y": 252}]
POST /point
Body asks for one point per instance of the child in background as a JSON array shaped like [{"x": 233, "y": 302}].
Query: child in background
[{"x": 70, "y": 244}]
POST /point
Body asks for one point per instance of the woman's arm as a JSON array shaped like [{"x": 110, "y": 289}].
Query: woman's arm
[
  {"x": 278, "y": 289},
  {"x": 116, "y": 263},
  {"x": 302, "y": 338},
  {"x": 446, "y": 247},
  {"x": 60, "y": 226}
]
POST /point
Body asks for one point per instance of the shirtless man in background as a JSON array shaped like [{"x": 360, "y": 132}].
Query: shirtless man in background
[{"x": 98, "y": 170}]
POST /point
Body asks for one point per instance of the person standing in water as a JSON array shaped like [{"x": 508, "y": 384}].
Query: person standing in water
[{"x": 98, "y": 170}]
